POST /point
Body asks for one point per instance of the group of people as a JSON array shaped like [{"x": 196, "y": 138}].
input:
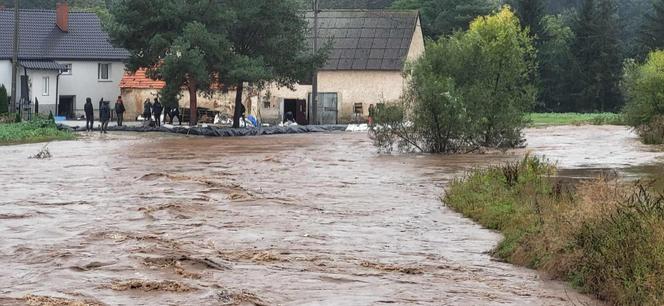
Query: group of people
[
  {"x": 155, "y": 110},
  {"x": 150, "y": 109},
  {"x": 104, "y": 113}
]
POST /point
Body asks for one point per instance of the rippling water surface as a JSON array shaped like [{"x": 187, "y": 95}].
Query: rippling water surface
[{"x": 318, "y": 219}]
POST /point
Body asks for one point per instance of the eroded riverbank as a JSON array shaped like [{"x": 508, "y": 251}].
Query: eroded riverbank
[{"x": 291, "y": 220}]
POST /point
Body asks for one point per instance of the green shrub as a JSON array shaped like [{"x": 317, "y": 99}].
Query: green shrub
[
  {"x": 644, "y": 89},
  {"x": 469, "y": 90},
  {"x": 604, "y": 237},
  {"x": 38, "y": 130},
  {"x": 4, "y": 100}
]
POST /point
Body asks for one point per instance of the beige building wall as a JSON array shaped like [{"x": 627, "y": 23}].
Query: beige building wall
[
  {"x": 366, "y": 87},
  {"x": 417, "y": 47}
]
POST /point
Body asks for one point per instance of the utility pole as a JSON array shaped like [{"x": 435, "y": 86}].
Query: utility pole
[
  {"x": 15, "y": 58},
  {"x": 314, "y": 80}
]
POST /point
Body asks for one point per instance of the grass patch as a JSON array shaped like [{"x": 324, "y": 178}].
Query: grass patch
[
  {"x": 603, "y": 236},
  {"x": 38, "y": 130},
  {"x": 549, "y": 119}
]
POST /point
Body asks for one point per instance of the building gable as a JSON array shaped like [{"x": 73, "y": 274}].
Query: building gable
[{"x": 366, "y": 40}]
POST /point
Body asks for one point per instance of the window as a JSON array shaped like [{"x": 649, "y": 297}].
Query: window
[
  {"x": 45, "y": 91},
  {"x": 104, "y": 72},
  {"x": 67, "y": 70}
]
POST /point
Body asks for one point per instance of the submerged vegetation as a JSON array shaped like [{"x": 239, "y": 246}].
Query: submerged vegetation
[
  {"x": 603, "y": 236},
  {"x": 38, "y": 130}
]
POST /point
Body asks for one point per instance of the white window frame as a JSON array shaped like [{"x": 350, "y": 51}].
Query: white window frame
[
  {"x": 108, "y": 74},
  {"x": 45, "y": 86},
  {"x": 68, "y": 71}
]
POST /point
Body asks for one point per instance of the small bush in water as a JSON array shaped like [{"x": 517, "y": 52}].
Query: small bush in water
[{"x": 605, "y": 237}]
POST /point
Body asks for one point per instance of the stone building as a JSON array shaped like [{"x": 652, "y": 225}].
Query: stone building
[{"x": 369, "y": 51}]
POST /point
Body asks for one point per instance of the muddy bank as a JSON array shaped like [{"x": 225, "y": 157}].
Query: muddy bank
[{"x": 308, "y": 219}]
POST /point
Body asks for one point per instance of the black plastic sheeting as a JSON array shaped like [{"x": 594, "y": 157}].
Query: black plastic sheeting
[{"x": 213, "y": 131}]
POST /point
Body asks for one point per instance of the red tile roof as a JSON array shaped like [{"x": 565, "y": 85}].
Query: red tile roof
[{"x": 140, "y": 81}]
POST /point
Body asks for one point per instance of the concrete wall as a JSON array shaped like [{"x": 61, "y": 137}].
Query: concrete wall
[{"x": 83, "y": 83}]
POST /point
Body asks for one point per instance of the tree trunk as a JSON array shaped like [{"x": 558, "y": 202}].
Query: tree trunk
[
  {"x": 239, "y": 88},
  {"x": 193, "y": 103}
]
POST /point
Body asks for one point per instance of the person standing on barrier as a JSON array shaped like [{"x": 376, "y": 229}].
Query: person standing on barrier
[
  {"x": 89, "y": 115},
  {"x": 120, "y": 110},
  {"x": 105, "y": 116},
  {"x": 147, "y": 110},
  {"x": 156, "y": 112}
]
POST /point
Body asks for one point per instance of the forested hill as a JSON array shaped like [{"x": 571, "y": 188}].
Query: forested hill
[
  {"x": 324, "y": 4},
  {"x": 554, "y": 6}
]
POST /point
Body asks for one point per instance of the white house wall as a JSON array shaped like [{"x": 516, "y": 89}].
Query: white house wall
[
  {"x": 36, "y": 84},
  {"x": 6, "y": 75},
  {"x": 83, "y": 83}
]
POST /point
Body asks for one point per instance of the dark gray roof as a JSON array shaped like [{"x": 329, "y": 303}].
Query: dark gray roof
[
  {"x": 366, "y": 40},
  {"x": 41, "y": 39},
  {"x": 42, "y": 65}
]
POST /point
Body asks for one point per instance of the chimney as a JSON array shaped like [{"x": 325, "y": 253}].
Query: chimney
[{"x": 62, "y": 16}]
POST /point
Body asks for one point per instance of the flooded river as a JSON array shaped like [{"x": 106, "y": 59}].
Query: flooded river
[{"x": 318, "y": 219}]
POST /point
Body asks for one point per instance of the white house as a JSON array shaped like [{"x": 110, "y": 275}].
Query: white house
[{"x": 64, "y": 58}]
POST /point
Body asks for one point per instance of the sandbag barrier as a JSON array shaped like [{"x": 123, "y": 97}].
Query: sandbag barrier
[{"x": 213, "y": 131}]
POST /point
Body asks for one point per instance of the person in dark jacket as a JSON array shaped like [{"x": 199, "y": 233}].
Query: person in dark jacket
[
  {"x": 105, "y": 116},
  {"x": 243, "y": 112},
  {"x": 120, "y": 110},
  {"x": 89, "y": 115},
  {"x": 147, "y": 109},
  {"x": 173, "y": 113},
  {"x": 156, "y": 112}
]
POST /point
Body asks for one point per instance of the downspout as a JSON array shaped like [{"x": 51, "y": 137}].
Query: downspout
[
  {"x": 57, "y": 93},
  {"x": 314, "y": 81},
  {"x": 27, "y": 92}
]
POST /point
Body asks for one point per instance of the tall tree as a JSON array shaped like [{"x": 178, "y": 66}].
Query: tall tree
[
  {"x": 651, "y": 35},
  {"x": 444, "y": 17},
  {"x": 470, "y": 89},
  {"x": 269, "y": 45},
  {"x": 530, "y": 14},
  {"x": 182, "y": 43},
  {"x": 598, "y": 57},
  {"x": 556, "y": 61}
]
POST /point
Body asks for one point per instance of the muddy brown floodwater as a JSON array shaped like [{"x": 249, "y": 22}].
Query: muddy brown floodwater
[{"x": 318, "y": 219}]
